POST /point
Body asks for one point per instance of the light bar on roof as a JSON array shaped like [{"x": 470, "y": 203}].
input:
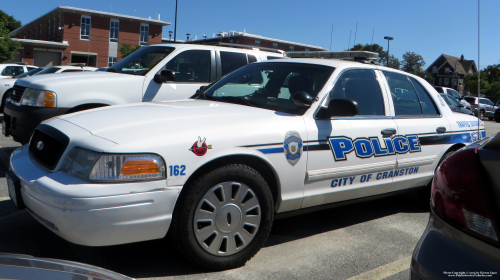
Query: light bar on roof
[{"x": 349, "y": 55}]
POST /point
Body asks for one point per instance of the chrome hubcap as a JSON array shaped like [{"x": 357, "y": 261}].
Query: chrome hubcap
[{"x": 227, "y": 218}]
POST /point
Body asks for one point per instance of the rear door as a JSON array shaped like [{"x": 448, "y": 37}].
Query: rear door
[{"x": 422, "y": 130}]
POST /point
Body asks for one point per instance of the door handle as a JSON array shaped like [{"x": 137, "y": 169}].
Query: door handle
[
  {"x": 388, "y": 132},
  {"x": 441, "y": 129}
]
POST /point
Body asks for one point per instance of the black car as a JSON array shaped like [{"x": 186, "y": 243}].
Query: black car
[
  {"x": 455, "y": 105},
  {"x": 461, "y": 238}
]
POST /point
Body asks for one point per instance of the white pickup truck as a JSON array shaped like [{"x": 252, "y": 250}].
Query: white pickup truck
[{"x": 159, "y": 72}]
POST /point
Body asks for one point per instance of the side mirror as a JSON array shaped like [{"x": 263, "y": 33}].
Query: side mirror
[
  {"x": 164, "y": 76},
  {"x": 343, "y": 108},
  {"x": 302, "y": 99}
]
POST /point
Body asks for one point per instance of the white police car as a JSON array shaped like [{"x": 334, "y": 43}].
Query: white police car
[{"x": 215, "y": 170}]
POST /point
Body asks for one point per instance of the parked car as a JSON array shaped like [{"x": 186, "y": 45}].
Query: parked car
[
  {"x": 461, "y": 238},
  {"x": 455, "y": 94},
  {"x": 496, "y": 116},
  {"x": 487, "y": 108},
  {"x": 455, "y": 105},
  {"x": 9, "y": 70},
  {"x": 268, "y": 140},
  {"x": 16, "y": 266},
  {"x": 159, "y": 72},
  {"x": 7, "y": 84}
]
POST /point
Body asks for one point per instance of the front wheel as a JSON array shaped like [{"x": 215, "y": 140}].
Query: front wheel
[{"x": 223, "y": 218}]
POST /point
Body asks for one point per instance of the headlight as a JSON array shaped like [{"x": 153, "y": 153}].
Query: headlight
[
  {"x": 39, "y": 98},
  {"x": 92, "y": 166}
]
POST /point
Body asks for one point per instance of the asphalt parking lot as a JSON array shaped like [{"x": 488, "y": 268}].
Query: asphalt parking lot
[{"x": 371, "y": 240}]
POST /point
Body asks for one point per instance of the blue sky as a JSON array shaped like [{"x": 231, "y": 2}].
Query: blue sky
[{"x": 426, "y": 27}]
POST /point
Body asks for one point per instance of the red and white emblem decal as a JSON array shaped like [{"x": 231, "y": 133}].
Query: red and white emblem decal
[{"x": 199, "y": 147}]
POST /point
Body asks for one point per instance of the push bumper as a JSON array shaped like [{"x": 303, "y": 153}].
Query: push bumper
[
  {"x": 21, "y": 121},
  {"x": 444, "y": 251},
  {"x": 55, "y": 199}
]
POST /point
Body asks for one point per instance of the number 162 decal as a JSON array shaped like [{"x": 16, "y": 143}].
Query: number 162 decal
[{"x": 176, "y": 170}]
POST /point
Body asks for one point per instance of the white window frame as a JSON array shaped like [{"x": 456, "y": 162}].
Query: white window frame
[
  {"x": 275, "y": 46},
  {"x": 144, "y": 34},
  {"x": 112, "y": 61},
  {"x": 257, "y": 43},
  {"x": 83, "y": 27},
  {"x": 116, "y": 29}
]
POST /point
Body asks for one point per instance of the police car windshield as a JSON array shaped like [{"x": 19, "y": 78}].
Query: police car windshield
[
  {"x": 29, "y": 73},
  {"x": 141, "y": 61},
  {"x": 270, "y": 85}
]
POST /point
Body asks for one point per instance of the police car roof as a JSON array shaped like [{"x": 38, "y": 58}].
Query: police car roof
[{"x": 337, "y": 63}]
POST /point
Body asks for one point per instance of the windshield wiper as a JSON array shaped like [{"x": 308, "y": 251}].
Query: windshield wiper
[
  {"x": 110, "y": 70},
  {"x": 241, "y": 100}
]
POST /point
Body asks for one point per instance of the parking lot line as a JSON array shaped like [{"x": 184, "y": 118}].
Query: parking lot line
[
  {"x": 4, "y": 198},
  {"x": 385, "y": 270},
  {"x": 4, "y": 157}
]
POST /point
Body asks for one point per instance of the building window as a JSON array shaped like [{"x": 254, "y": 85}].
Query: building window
[
  {"x": 307, "y": 50},
  {"x": 144, "y": 34},
  {"x": 113, "y": 30},
  {"x": 40, "y": 35},
  {"x": 471, "y": 72},
  {"x": 446, "y": 81},
  {"x": 85, "y": 28},
  {"x": 275, "y": 46},
  {"x": 440, "y": 81},
  {"x": 454, "y": 82},
  {"x": 257, "y": 43},
  {"x": 292, "y": 48},
  {"x": 59, "y": 26},
  {"x": 434, "y": 69},
  {"x": 54, "y": 26},
  {"x": 447, "y": 70},
  {"x": 231, "y": 41},
  {"x": 111, "y": 61},
  {"x": 432, "y": 81}
]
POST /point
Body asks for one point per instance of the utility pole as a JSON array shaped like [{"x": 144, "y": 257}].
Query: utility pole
[{"x": 388, "y": 47}]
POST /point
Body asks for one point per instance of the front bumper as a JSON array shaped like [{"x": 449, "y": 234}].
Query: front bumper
[
  {"x": 444, "y": 251},
  {"x": 63, "y": 204},
  {"x": 21, "y": 121}
]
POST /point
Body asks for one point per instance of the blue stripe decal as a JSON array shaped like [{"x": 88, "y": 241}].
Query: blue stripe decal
[
  {"x": 271, "y": 150},
  {"x": 466, "y": 137}
]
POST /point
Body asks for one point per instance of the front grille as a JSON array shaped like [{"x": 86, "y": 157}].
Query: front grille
[
  {"x": 17, "y": 93},
  {"x": 47, "y": 146}
]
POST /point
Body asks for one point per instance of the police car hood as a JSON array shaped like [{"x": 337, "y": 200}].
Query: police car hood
[
  {"x": 136, "y": 122},
  {"x": 61, "y": 82}
]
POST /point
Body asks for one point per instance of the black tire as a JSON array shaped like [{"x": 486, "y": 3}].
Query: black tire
[
  {"x": 497, "y": 120},
  {"x": 424, "y": 194},
  {"x": 490, "y": 118},
  {"x": 4, "y": 99},
  {"x": 227, "y": 187},
  {"x": 481, "y": 115}
]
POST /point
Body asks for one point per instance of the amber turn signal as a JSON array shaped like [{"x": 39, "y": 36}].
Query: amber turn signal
[{"x": 139, "y": 167}]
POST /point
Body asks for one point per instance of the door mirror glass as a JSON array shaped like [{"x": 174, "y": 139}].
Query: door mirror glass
[
  {"x": 165, "y": 76},
  {"x": 341, "y": 107}
]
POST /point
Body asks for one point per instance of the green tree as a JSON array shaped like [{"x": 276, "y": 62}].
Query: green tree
[
  {"x": 8, "y": 47},
  {"x": 127, "y": 49},
  {"x": 412, "y": 62},
  {"x": 470, "y": 84},
  {"x": 394, "y": 62}
]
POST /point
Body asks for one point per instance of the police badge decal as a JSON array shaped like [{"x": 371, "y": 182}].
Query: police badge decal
[{"x": 293, "y": 147}]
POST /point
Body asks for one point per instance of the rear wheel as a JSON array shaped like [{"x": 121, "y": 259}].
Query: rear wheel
[
  {"x": 223, "y": 218},
  {"x": 4, "y": 100},
  {"x": 481, "y": 115}
]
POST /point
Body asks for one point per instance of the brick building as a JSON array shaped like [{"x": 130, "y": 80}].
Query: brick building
[
  {"x": 247, "y": 39},
  {"x": 73, "y": 35},
  {"x": 450, "y": 71}
]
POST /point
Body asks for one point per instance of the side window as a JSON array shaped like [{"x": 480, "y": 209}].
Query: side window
[
  {"x": 12, "y": 71},
  {"x": 404, "y": 97},
  {"x": 428, "y": 106},
  {"x": 231, "y": 61},
  {"x": 446, "y": 99},
  {"x": 191, "y": 66},
  {"x": 454, "y": 102},
  {"x": 361, "y": 86},
  {"x": 251, "y": 59}
]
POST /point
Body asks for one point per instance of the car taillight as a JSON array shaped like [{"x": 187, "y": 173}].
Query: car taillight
[
  {"x": 497, "y": 110},
  {"x": 459, "y": 195},
  {"x": 473, "y": 105}
]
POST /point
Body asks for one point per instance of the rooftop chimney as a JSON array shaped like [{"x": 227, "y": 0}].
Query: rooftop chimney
[{"x": 462, "y": 58}]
